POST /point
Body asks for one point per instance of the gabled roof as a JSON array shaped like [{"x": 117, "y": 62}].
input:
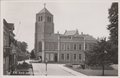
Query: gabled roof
[
  {"x": 10, "y": 26},
  {"x": 71, "y": 32},
  {"x": 44, "y": 10}
]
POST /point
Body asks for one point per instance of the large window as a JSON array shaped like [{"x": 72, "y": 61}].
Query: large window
[
  {"x": 68, "y": 46},
  {"x": 64, "y": 47},
  {"x": 47, "y": 57},
  {"x": 51, "y": 57},
  {"x": 75, "y": 57},
  {"x": 79, "y": 46},
  {"x": 68, "y": 57},
  {"x": 75, "y": 46},
  {"x": 62, "y": 56},
  {"x": 79, "y": 56}
]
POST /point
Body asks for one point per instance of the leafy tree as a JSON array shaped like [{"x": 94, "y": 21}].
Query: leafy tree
[
  {"x": 113, "y": 28},
  {"x": 22, "y": 52},
  {"x": 23, "y": 46},
  {"x": 99, "y": 55},
  {"x": 32, "y": 54}
]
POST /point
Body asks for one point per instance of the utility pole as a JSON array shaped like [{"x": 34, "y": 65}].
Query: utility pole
[{"x": 84, "y": 53}]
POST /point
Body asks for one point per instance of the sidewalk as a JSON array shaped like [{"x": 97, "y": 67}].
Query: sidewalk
[{"x": 71, "y": 71}]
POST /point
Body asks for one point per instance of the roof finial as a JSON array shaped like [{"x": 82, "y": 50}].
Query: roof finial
[{"x": 44, "y": 5}]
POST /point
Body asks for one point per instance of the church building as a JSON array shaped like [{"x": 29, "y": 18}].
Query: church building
[{"x": 55, "y": 47}]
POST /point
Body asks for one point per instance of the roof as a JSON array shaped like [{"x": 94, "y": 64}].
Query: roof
[
  {"x": 89, "y": 37},
  {"x": 71, "y": 32},
  {"x": 44, "y": 10},
  {"x": 10, "y": 26}
]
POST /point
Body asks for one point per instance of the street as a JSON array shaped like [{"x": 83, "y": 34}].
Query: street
[{"x": 53, "y": 70}]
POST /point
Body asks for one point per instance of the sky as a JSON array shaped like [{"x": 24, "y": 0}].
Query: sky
[{"x": 88, "y": 17}]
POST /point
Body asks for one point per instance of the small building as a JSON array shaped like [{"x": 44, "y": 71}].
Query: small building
[{"x": 55, "y": 47}]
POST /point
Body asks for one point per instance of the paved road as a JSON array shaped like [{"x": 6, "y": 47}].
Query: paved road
[{"x": 53, "y": 70}]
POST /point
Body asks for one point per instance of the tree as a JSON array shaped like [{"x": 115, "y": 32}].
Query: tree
[
  {"x": 23, "y": 46},
  {"x": 99, "y": 55},
  {"x": 32, "y": 54},
  {"x": 113, "y": 28},
  {"x": 22, "y": 52}
]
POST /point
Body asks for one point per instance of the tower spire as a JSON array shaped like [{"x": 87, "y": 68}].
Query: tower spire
[{"x": 44, "y": 5}]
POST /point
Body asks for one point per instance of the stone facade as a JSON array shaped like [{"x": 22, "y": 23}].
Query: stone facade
[{"x": 64, "y": 48}]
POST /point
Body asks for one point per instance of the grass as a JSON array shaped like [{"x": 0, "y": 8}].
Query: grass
[{"x": 96, "y": 72}]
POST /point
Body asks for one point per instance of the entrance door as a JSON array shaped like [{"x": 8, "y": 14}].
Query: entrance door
[{"x": 55, "y": 58}]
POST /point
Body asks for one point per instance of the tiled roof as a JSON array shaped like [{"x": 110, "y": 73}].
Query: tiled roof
[
  {"x": 44, "y": 10},
  {"x": 71, "y": 32}
]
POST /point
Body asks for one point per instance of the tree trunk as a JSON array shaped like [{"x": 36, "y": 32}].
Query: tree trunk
[{"x": 103, "y": 70}]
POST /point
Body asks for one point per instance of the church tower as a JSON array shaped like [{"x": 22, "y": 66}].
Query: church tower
[{"x": 44, "y": 27}]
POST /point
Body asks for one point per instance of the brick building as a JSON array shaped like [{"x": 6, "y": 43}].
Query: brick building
[
  {"x": 55, "y": 47},
  {"x": 9, "y": 48}
]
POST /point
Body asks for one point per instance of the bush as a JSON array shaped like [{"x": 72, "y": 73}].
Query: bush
[
  {"x": 24, "y": 65},
  {"x": 68, "y": 65}
]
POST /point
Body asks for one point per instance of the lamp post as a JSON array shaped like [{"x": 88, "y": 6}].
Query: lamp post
[
  {"x": 105, "y": 52},
  {"x": 46, "y": 65}
]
